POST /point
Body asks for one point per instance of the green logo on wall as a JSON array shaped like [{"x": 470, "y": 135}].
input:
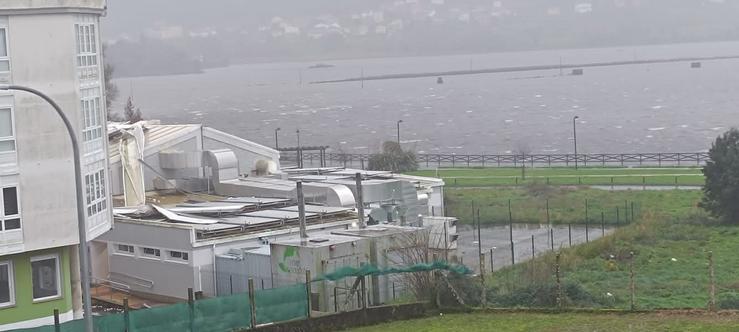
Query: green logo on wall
[{"x": 290, "y": 256}]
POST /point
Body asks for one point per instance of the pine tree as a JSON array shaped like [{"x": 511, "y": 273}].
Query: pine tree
[{"x": 131, "y": 113}]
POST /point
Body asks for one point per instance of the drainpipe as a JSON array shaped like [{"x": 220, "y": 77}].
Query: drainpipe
[
  {"x": 360, "y": 202},
  {"x": 301, "y": 212}
]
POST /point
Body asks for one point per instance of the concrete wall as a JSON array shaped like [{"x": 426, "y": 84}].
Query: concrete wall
[
  {"x": 172, "y": 280},
  {"x": 43, "y": 145},
  {"x": 146, "y": 274},
  {"x": 436, "y": 201},
  {"x": 347, "y": 320}
]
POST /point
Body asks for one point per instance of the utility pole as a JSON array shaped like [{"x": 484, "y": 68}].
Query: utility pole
[
  {"x": 399, "y": 122},
  {"x": 300, "y": 152},
  {"x": 277, "y": 144},
  {"x": 574, "y": 132}
]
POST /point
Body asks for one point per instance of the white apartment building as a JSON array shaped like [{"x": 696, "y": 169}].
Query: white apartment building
[{"x": 53, "y": 46}]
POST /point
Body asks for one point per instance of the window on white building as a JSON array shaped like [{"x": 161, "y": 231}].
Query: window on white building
[
  {"x": 125, "y": 249},
  {"x": 4, "y": 59},
  {"x": 86, "y": 45},
  {"x": 179, "y": 255},
  {"x": 87, "y": 51},
  {"x": 92, "y": 113},
  {"x": 151, "y": 252},
  {"x": 7, "y": 136},
  {"x": 96, "y": 193},
  {"x": 11, "y": 218},
  {"x": 45, "y": 277},
  {"x": 7, "y": 289}
]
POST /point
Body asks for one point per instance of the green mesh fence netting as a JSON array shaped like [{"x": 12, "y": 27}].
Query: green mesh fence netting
[
  {"x": 222, "y": 313},
  {"x": 281, "y": 304},
  {"x": 110, "y": 323},
  {"x": 170, "y": 318},
  {"x": 369, "y": 269},
  {"x": 227, "y": 313}
]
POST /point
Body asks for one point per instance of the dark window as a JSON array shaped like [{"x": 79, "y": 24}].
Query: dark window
[
  {"x": 45, "y": 278},
  {"x": 10, "y": 201},
  {"x": 152, "y": 252},
  {"x": 5, "y": 282},
  {"x": 12, "y": 224}
]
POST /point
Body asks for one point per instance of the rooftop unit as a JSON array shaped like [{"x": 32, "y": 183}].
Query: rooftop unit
[
  {"x": 389, "y": 246},
  {"x": 320, "y": 254}
]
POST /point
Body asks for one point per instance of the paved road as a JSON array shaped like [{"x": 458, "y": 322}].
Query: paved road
[{"x": 498, "y": 237}]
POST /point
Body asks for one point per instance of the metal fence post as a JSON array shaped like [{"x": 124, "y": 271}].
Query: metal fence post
[
  {"x": 632, "y": 282},
  {"x": 308, "y": 293},
  {"x": 626, "y": 211},
  {"x": 252, "y": 304},
  {"x": 551, "y": 237},
  {"x": 569, "y": 233},
  {"x": 618, "y": 217},
  {"x": 560, "y": 300},
  {"x": 483, "y": 300},
  {"x": 126, "y": 316},
  {"x": 533, "y": 253},
  {"x": 510, "y": 229},
  {"x": 587, "y": 233},
  {"x": 191, "y": 307},
  {"x": 712, "y": 283},
  {"x": 632, "y": 211},
  {"x": 492, "y": 267},
  {"x": 57, "y": 325},
  {"x": 602, "y": 223}
]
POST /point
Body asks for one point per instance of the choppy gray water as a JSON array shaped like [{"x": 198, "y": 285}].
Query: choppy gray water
[{"x": 640, "y": 108}]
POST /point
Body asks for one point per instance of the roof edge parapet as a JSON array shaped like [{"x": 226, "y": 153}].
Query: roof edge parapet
[{"x": 35, "y": 7}]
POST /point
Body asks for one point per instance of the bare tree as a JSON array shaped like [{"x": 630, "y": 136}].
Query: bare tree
[{"x": 413, "y": 249}]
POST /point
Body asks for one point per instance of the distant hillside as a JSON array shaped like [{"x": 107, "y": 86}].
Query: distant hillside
[{"x": 166, "y": 36}]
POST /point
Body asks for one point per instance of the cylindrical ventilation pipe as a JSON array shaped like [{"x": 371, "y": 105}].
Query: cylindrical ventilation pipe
[
  {"x": 360, "y": 202},
  {"x": 301, "y": 211}
]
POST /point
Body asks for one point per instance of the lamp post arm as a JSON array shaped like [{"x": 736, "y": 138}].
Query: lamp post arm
[{"x": 81, "y": 218}]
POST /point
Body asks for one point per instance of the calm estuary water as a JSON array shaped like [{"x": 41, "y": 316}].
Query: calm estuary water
[{"x": 639, "y": 108}]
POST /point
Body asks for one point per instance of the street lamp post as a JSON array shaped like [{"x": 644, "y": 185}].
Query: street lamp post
[
  {"x": 399, "y": 122},
  {"x": 277, "y": 144},
  {"x": 81, "y": 224},
  {"x": 574, "y": 132},
  {"x": 300, "y": 152}
]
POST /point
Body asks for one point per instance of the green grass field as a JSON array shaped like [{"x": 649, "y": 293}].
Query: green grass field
[
  {"x": 670, "y": 240},
  {"x": 566, "y": 205},
  {"x": 486, "y": 177},
  {"x": 571, "y": 322}
]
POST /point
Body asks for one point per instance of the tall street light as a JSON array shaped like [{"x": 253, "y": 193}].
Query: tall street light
[
  {"x": 300, "y": 153},
  {"x": 81, "y": 224},
  {"x": 399, "y": 122},
  {"x": 277, "y": 144},
  {"x": 574, "y": 132}
]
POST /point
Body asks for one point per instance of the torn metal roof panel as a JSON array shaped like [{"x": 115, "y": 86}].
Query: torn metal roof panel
[
  {"x": 317, "y": 209},
  {"x": 278, "y": 214},
  {"x": 210, "y": 207},
  {"x": 247, "y": 220},
  {"x": 173, "y": 216},
  {"x": 255, "y": 200}
]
